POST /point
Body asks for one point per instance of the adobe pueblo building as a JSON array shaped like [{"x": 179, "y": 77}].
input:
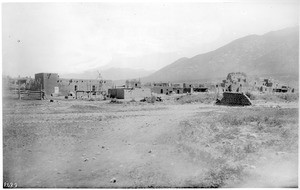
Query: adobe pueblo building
[
  {"x": 270, "y": 86},
  {"x": 239, "y": 82},
  {"x": 132, "y": 90},
  {"x": 235, "y": 82},
  {"x": 53, "y": 85},
  {"x": 233, "y": 89},
  {"x": 176, "y": 88}
]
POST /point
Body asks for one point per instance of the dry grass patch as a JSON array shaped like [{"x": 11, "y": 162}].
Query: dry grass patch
[{"x": 235, "y": 140}]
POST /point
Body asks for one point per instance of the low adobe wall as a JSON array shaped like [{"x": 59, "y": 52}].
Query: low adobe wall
[
  {"x": 116, "y": 93},
  {"x": 230, "y": 98},
  {"x": 137, "y": 93}
]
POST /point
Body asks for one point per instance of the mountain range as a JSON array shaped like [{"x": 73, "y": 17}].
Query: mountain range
[{"x": 274, "y": 53}]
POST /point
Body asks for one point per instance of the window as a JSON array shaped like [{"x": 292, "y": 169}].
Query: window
[
  {"x": 93, "y": 88},
  {"x": 75, "y": 88}
]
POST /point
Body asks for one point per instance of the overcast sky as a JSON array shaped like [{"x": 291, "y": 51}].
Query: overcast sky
[{"x": 73, "y": 37}]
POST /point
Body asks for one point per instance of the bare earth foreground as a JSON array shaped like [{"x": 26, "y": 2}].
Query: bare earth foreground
[{"x": 68, "y": 143}]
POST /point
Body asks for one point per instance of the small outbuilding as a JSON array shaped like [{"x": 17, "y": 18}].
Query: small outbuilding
[{"x": 129, "y": 93}]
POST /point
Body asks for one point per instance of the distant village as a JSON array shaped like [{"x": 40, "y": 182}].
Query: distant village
[{"x": 47, "y": 85}]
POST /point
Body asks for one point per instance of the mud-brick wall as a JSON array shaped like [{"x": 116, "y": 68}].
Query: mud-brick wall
[
  {"x": 235, "y": 99},
  {"x": 187, "y": 90},
  {"x": 116, "y": 93},
  {"x": 48, "y": 81},
  {"x": 137, "y": 93},
  {"x": 68, "y": 85},
  {"x": 178, "y": 90},
  {"x": 161, "y": 89}
]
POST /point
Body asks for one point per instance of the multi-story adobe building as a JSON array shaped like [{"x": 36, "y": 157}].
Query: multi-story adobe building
[
  {"x": 52, "y": 84},
  {"x": 235, "y": 82}
]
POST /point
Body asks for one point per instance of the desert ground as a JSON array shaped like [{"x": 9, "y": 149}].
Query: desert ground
[{"x": 183, "y": 141}]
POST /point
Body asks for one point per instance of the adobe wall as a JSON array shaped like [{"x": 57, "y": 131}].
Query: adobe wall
[
  {"x": 51, "y": 80},
  {"x": 161, "y": 89},
  {"x": 116, "y": 93},
  {"x": 137, "y": 93},
  {"x": 178, "y": 90},
  {"x": 230, "y": 98},
  {"x": 71, "y": 85},
  {"x": 112, "y": 92},
  {"x": 48, "y": 81},
  {"x": 187, "y": 90},
  {"x": 167, "y": 90}
]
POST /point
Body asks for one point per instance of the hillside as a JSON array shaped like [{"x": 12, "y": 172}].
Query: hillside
[{"x": 273, "y": 53}]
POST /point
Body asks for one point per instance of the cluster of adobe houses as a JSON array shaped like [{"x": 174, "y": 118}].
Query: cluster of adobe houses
[
  {"x": 177, "y": 88},
  {"x": 132, "y": 89},
  {"x": 237, "y": 85},
  {"x": 52, "y": 85},
  {"x": 239, "y": 82}
]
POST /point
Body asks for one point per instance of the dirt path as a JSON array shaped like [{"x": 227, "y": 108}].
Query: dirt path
[
  {"x": 90, "y": 149},
  {"x": 96, "y": 144}
]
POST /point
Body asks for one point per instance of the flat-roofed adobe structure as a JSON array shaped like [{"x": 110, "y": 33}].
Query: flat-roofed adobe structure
[{"x": 52, "y": 84}]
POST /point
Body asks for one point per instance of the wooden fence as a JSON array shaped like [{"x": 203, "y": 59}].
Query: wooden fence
[{"x": 29, "y": 94}]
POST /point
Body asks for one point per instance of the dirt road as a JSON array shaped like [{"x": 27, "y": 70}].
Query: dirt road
[{"x": 97, "y": 144}]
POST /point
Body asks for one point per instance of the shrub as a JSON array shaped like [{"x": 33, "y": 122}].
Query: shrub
[
  {"x": 151, "y": 99},
  {"x": 201, "y": 98},
  {"x": 250, "y": 147},
  {"x": 219, "y": 176},
  {"x": 115, "y": 101},
  {"x": 291, "y": 97},
  {"x": 288, "y": 97},
  {"x": 231, "y": 120},
  {"x": 132, "y": 100}
]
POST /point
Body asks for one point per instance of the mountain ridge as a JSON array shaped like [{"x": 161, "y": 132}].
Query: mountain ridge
[{"x": 272, "y": 52}]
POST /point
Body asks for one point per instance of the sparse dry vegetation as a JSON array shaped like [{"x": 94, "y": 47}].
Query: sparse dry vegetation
[
  {"x": 184, "y": 144},
  {"x": 205, "y": 98},
  {"x": 290, "y": 97},
  {"x": 235, "y": 140}
]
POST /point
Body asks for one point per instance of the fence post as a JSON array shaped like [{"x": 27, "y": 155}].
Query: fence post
[
  {"x": 19, "y": 90},
  {"x": 41, "y": 93}
]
